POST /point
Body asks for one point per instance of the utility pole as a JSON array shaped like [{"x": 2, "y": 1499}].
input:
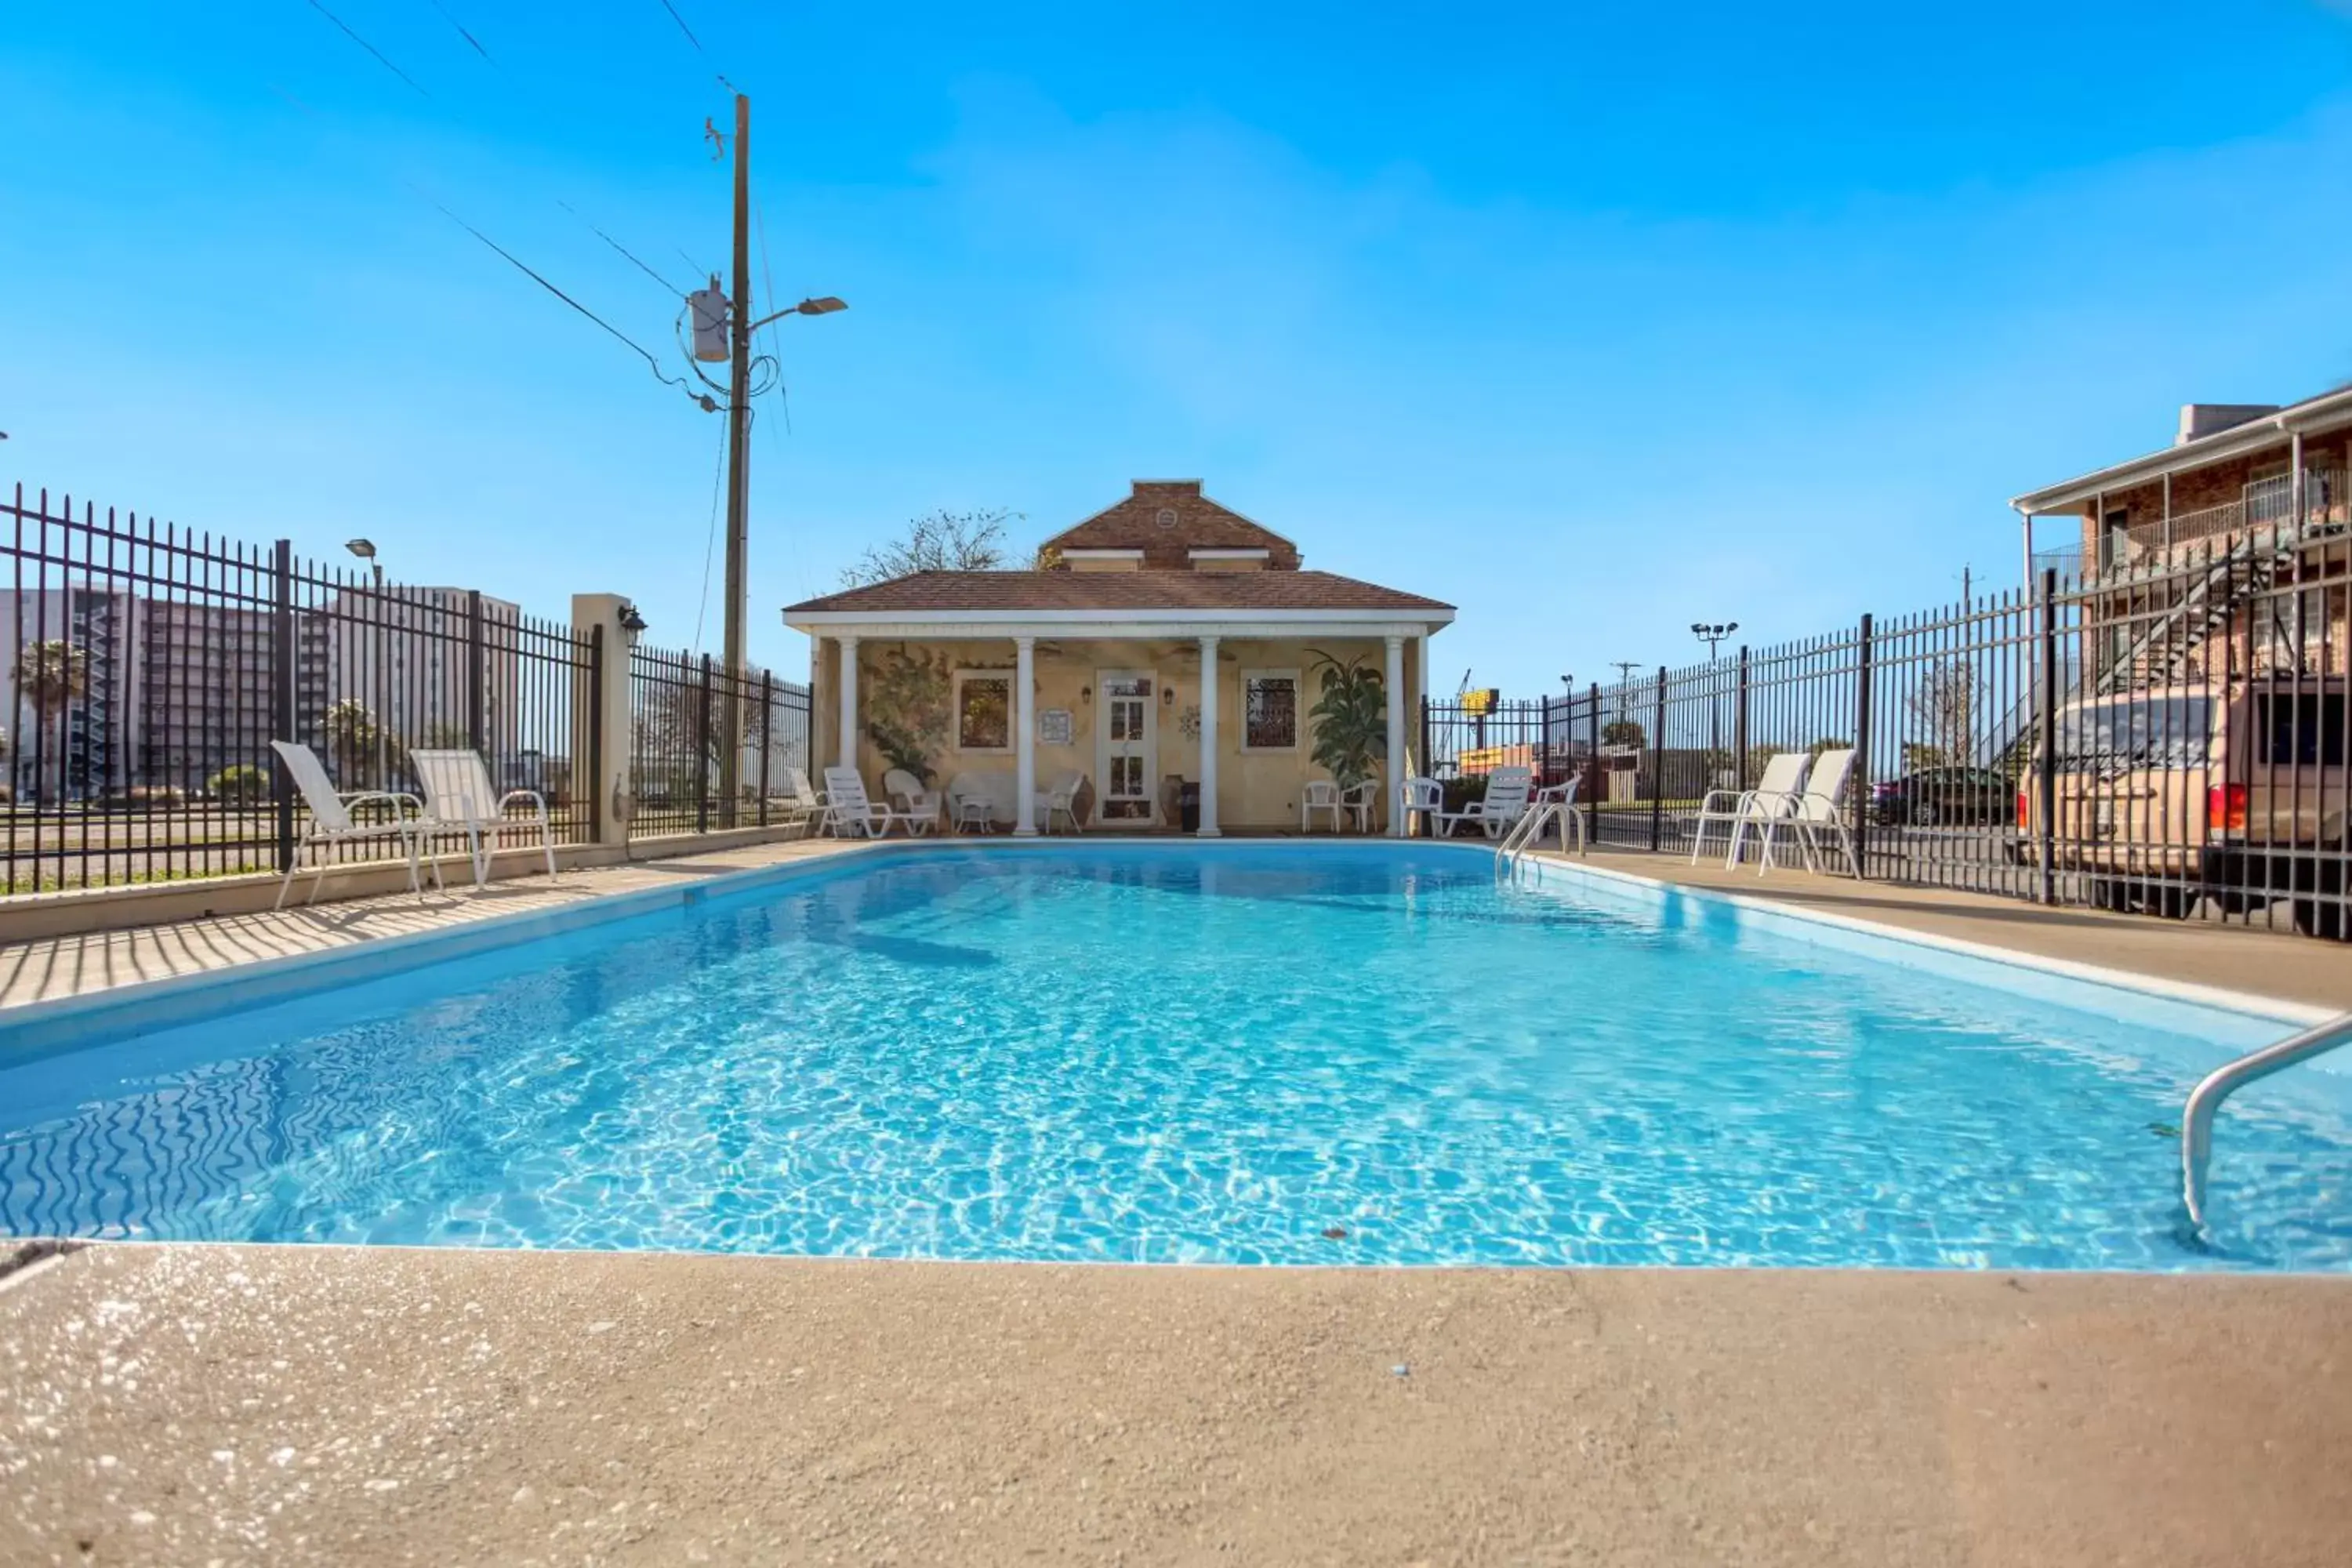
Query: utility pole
[
  {"x": 738, "y": 457},
  {"x": 1624, "y": 668}
]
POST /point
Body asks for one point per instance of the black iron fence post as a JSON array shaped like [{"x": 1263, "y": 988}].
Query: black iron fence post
[
  {"x": 2045, "y": 775},
  {"x": 1600, "y": 774},
  {"x": 767, "y": 735},
  {"x": 1427, "y": 767},
  {"x": 1658, "y": 764},
  {"x": 281, "y": 705},
  {"x": 474, "y": 668},
  {"x": 1739, "y": 726},
  {"x": 702, "y": 756},
  {"x": 1859, "y": 793}
]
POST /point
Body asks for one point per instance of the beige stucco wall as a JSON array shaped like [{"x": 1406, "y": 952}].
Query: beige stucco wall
[{"x": 1255, "y": 790}]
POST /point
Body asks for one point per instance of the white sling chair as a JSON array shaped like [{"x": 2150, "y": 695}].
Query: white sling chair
[
  {"x": 331, "y": 821},
  {"x": 1819, "y": 812},
  {"x": 1774, "y": 799},
  {"x": 847, "y": 810},
  {"x": 459, "y": 796}
]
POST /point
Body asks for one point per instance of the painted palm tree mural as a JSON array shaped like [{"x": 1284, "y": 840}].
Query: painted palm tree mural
[
  {"x": 51, "y": 677},
  {"x": 1351, "y": 719}
]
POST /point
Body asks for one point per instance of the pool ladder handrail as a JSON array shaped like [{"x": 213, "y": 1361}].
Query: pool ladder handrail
[
  {"x": 1530, "y": 827},
  {"x": 2197, "y": 1120}
]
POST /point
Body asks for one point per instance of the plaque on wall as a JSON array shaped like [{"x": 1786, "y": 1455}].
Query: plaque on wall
[{"x": 1053, "y": 726}]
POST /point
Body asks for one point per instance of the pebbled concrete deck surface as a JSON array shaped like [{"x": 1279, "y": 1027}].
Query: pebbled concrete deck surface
[{"x": 318, "y": 1404}]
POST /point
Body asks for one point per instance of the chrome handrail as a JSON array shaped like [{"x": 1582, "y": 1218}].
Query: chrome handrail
[
  {"x": 2197, "y": 1120},
  {"x": 1530, "y": 827}
]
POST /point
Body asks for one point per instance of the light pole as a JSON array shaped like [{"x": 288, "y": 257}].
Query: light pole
[
  {"x": 735, "y": 347},
  {"x": 1713, "y": 635}
]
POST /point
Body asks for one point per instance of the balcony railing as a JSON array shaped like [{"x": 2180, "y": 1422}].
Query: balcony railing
[{"x": 2266, "y": 509}]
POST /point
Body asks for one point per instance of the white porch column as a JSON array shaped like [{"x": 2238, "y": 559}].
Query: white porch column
[
  {"x": 1024, "y": 730},
  {"x": 1209, "y": 739},
  {"x": 1396, "y": 734},
  {"x": 849, "y": 743}
]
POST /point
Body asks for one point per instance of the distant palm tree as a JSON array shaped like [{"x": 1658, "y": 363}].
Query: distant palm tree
[{"x": 52, "y": 675}]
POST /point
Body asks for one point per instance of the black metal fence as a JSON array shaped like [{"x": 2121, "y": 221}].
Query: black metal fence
[
  {"x": 151, "y": 665},
  {"x": 2166, "y": 735},
  {"x": 679, "y": 708}
]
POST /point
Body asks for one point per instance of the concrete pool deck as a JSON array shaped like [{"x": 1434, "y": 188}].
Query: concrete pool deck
[
  {"x": 170, "y": 1403},
  {"x": 318, "y": 1405}
]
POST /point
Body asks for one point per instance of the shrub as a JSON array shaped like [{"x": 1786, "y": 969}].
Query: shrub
[{"x": 241, "y": 782}]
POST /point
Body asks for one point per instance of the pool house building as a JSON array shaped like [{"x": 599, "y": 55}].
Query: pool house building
[{"x": 1158, "y": 669}]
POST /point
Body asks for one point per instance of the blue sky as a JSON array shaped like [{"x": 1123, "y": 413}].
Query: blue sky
[{"x": 1592, "y": 319}]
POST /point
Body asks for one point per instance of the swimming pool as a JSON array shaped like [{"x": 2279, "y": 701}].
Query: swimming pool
[{"x": 1326, "y": 1053}]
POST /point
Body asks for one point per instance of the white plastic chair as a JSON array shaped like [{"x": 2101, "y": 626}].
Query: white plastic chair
[
  {"x": 847, "y": 810},
  {"x": 919, "y": 805},
  {"x": 1319, "y": 795},
  {"x": 1505, "y": 802},
  {"x": 459, "y": 796},
  {"x": 1061, "y": 800},
  {"x": 331, "y": 821},
  {"x": 1425, "y": 798},
  {"x": 1358, "y": 803},
  {"x": 971, "y": 806},
  {"x": 1819, "y": 810},
  {"x": 1773, "y": 799},
  {"x": 803, "y": 804}
]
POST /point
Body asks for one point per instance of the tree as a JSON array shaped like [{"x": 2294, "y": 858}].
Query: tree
[
  {"x": 52, "y": 675},
  {"x": 1942, "y": 710},
  {"x": 352, "y": 737},
  {"x": 937, "y": 541},
  {"x": 240, "y": 784},
  {"x": 1624, "y": 732},
  {"x": 906, "y": 702},
  {"x": 1351, "y": 719}
]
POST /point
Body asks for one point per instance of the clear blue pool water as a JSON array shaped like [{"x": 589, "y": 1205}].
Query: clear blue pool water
[{"x": 1246, "y": 1054}]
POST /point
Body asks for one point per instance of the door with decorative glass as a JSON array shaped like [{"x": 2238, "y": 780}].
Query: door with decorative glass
[{"x": 1127, "y": 746}]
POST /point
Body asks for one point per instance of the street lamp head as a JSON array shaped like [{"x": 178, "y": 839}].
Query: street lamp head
[
  {"x": 825, "y": 306},
  {"x": 363, "y": 547}
]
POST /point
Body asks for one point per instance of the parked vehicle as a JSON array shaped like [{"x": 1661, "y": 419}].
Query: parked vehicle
[
  {"x": 1942, "y": 797},
  {"x": 2237, "y": 793}
]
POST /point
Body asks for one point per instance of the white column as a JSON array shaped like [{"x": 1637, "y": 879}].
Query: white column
[
  {"x": 1209, "y": 739},
  {"x": 1396, "y": 735},
  {"x": 1024, "y": 743},
  {"x": 848, "y": 742}
]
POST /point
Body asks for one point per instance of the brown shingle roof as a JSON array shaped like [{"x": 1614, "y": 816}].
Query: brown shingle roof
[
  {"x": 1192, "y": 522},
  {"x": 1138, "y": 591}
]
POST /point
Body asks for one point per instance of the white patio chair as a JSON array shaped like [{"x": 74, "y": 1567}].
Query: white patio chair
[
  {"x": 919, "y": 805},
  {"x": 971, "y": 806},
  {"x": 1319, "y": 795},
  {"x": 1505, "y": 802},
  {"x": 1773, "y": 798},
  {"x": 459, "y": 797},
  {"x": 803, "y": 806},
  {"x": 847, "y": 810},
  {"x": 1425, "y": 798},
  {"x": 1060, "y": 800},
  {"x": 1821, "y": 810},
  {"x": 331, "y": 821},
  {"x": 1358, "y": 803}
]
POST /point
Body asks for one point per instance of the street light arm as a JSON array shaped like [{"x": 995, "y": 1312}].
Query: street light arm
[{"x": 824, "y": 307}]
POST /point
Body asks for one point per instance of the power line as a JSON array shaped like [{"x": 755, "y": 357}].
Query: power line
[
  {"x": 684, "y": 28},
  {"x": 718, "y": 480},
  {"x": 371, "y": 49},
  {"x": 461, "y": 29},
  {"x": 669, "y": 287}
]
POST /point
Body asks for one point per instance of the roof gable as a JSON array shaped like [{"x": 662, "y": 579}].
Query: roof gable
[
  {"x": 1143, "y": 592},
  {"x": 1168, "y": 520}
]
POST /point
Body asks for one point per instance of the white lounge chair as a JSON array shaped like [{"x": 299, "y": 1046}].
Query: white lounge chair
[
  {"x": 1820, "y": 811},
  {"x": 1505, "y": 802},
  {"x": 331, "y": 821},
  {"x": 1773, "y": 799},
  {"x": 803, "y": 806},
  {"x": 1319, "y": 795},
  {"x": 1060, "y": 800},
  {"x": 1425, "y": 798},
  {"x": 847, "y": 810},
  {"x": 919, "y": 805},
  {"x": 1358, "y": 803},
  {"x": 459, "y": 797}
]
